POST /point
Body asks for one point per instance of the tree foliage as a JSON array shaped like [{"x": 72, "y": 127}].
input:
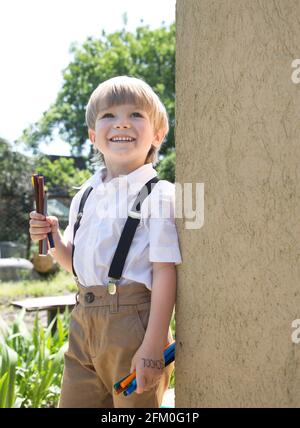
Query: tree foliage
[
  {"x": 166, "y": 167},
  {"x": 15, "y": 193},
  {"x": 61, "y": 175},
  {"x": 147, "y": 54},
  {"x": 14, "y": 171}
]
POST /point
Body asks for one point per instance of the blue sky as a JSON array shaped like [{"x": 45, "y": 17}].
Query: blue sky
[{"x": 35, "y": 36}]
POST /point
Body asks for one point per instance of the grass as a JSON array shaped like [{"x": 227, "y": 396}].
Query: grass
[{"x": 58, "y": 283}]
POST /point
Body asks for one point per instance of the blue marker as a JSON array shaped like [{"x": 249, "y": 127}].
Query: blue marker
[{"x": 130, "y": 388}]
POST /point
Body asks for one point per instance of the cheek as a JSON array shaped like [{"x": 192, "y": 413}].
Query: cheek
[
  {"x": 102, "y": 124},
  {"x": 100, "y": 130},
  {"x": 98, "y": 125},
  {"x": 144, "y": 130}
]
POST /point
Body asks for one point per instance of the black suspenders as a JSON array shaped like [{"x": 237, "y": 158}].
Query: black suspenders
[
  {"x": 77, "y": 223},
  {"x": 132, "y": 222}
]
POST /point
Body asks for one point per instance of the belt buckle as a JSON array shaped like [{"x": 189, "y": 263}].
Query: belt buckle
[{"x": 112, "y": 288}]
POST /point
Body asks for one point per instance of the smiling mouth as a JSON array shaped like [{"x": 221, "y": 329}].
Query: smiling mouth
[{"x": 122, "y": 140}]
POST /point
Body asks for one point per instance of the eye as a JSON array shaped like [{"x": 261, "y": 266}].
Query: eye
[
  {"x": 110, "y": 114},
  {"x": 106, "y": 114}
]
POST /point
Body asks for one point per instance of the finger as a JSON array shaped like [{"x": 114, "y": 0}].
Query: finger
[
  {"x": 36, "y": 215},
  {"x": 140, "y": 384},
  {"x": 39, "y": 230},
  {"x": 38, "y": 223},
  {"x": 37, "y": 236},
  {"x": 52, "y": 221}
]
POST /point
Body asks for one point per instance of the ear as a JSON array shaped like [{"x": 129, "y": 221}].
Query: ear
[
  {"x": 92, "y": 135},
  {"x": 158, "y": 138}
]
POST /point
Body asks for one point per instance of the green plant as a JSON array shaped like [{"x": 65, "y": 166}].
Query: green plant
[
  {"x": 31, "y": 363},
  {"x": 8, "y": 358}
]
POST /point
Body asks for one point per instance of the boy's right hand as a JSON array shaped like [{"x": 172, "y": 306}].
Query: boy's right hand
[{"x": 40, "y": 225}]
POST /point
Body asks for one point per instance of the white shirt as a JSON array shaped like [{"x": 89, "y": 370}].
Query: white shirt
[{"x": 104, "y": 216}]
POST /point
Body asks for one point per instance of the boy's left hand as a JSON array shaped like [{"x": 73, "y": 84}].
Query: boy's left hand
[{"x": 149, "y": 363}]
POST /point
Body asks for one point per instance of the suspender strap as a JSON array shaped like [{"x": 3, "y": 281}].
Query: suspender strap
[
  {"x": 77, "y": 223},
  {"x": 132, "y": 222}
]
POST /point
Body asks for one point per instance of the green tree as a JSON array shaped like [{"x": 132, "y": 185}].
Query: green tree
[
  {"x": 14, "y": 171},
  {"x": 61, "y": 175},
  {"x": 166, "y": 167},
  {"x": 15, "y": 193},
  {"x": 147, "y": 54}
]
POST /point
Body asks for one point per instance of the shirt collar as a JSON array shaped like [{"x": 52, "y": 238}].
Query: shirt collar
[{"x": 134, "y": 179}]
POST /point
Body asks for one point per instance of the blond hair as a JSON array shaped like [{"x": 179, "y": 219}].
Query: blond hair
[{"x": 128, "y": 90}]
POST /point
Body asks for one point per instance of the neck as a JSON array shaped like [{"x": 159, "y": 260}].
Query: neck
[{"x": 116, "y": 171}]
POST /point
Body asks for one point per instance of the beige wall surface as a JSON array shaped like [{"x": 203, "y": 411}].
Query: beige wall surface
[{"x": 237, "y": 131}]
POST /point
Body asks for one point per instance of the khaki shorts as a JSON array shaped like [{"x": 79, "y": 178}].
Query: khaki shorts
[{"x": 105, "y": 333}]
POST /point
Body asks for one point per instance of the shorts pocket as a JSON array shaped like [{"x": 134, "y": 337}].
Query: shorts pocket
[{"x": 142, "y": 312}]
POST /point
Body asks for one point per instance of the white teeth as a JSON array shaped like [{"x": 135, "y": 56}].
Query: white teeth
[{"x": 121, "y": 139}]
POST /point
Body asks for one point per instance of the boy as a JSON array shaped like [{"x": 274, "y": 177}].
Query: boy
[{"x": 121, "y": 325}]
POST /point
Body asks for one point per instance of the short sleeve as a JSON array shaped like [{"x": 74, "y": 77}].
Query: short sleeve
[{"x": 163, "y": 237}]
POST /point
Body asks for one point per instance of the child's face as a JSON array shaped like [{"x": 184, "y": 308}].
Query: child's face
[{"x": 124, "y": 121}]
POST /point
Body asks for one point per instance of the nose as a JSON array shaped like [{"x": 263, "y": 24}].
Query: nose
[
  {"x": 120, "y": 126},
  {"x": 122, "y": 122}
]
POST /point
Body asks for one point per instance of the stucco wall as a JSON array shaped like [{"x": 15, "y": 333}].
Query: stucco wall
[{"x": 237, "y": 131}]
